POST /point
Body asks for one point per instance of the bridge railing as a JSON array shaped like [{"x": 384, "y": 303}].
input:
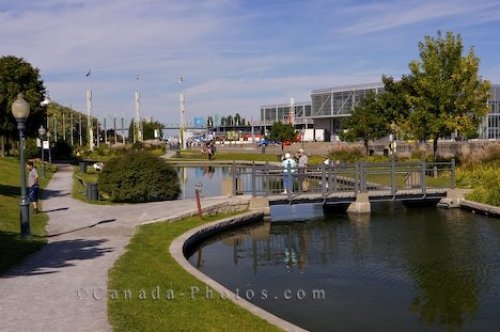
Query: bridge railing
[{"x": 393, "y": 177}]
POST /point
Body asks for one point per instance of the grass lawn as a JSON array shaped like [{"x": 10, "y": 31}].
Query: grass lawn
[
  {"x": 79, "y": 191},
  {"x": 13, "y": 248},
  {"x": 147, "y": 264}
]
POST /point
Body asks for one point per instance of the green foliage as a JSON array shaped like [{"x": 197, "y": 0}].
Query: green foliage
[
  {"x": 485, "y": 180},
  {"x": 367, "y": 121},
  {"x": 446, "y": 92},
  {"x": 14, "y": 248},
  {"x": 282, "y": 132},
  {"x": 138, "y": 177},
  {"x": 18, "y": 76},
  {"x": 346, "y": 153},
  {"x": 55, "y": 115},
  {"x": 62, "y": 150}
]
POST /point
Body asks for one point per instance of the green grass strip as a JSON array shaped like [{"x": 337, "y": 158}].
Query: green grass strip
[
  {"x": 13, "y": 248},
  {"x": 148, "y": 266}
]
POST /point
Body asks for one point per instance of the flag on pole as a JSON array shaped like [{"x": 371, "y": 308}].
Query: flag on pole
[{"x": 88, "y": 74}]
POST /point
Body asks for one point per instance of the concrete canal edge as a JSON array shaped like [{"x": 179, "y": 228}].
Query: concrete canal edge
[
  {"x": 455, "y": 198},
  {"x": 181, "y": 244}
]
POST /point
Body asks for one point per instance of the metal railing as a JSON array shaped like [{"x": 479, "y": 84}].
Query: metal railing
[{"x": 393, "y": 177}]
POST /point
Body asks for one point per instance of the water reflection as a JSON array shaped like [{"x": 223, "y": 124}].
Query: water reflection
[
  {"x": 398, "y": 269},
  {"x": 210, "y": 177}
]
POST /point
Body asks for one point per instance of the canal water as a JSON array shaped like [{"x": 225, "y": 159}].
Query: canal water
[
  {"x": 401, "y": 269},
  {"x": 209, "y": 177}
]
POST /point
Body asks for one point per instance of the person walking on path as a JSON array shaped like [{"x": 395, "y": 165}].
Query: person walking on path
[
  {"x": 303, "y": 163},
  {"x": 289, "y": 169},
  {"x": 33, "y": 185}
]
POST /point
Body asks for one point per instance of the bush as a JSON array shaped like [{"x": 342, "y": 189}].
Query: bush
[
  {"x": 485, "y": 180},
  {"x": 347, "y": 152},
  {"x": 138, "y": 177}
]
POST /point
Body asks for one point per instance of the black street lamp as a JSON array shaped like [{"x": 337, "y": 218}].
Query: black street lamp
[
  {"x": 21, "y": 111},
  {"x": 48, "y": 139},
  {"x": 41, "y": 133}
]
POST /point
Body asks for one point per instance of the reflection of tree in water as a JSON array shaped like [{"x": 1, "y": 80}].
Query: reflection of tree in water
[
  {"x": 208, "y": 171},
  {"x": 445, "y": 263}
]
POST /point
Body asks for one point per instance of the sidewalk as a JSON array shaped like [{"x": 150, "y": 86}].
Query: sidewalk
[{"x": 84, "y": 241}]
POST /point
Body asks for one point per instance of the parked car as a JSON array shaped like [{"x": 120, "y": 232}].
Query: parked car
[{"x": 263, "y": 142}]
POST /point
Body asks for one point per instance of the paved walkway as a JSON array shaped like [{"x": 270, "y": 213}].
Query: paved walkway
[{"x": 50, "y": 290}]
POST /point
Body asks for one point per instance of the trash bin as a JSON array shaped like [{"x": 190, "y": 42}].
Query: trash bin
[
  {"x": 83, "y": 166},
  {"x": 92, "y": 192},
  {"x": 372, "y": 152},
  {"x": 386, "y": 152}
]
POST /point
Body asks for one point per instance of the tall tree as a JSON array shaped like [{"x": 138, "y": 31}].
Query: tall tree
[
  {"x": 18, "y": 76},
  {"x": 447, "y": 93},
  {"x": 368, "y": 121},
  {"x": 282, "y": 132}
]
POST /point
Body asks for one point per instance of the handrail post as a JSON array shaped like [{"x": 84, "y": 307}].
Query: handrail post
[
  {"x": 362, "y": 175},
  {"x": 422, "y": 178},
  {"x": 334, "y": 180},
  {"x": 393, "y": 176},
  {"x": 254, "y": 193},
  {"x": 289, "y": 182},
  {"x": 266, "y": 179},
  {"x": 234, "y": 178},
  {"x": 323, "y": 181},
  {"x": 356, "y": 178},
  {"x": 453, "y": 180}
]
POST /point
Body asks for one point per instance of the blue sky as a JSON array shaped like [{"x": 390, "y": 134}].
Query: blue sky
[{"x": 234, "y": 55}]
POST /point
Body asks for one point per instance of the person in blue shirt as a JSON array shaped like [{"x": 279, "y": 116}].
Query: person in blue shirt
[{"x": 289, "y": 170}]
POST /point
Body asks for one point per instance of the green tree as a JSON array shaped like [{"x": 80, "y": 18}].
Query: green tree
[
  {"x": 446, "y": 92},
  {"x": 282, "y": 132},
  {"x": 18, "y": 76},
  {"x": 368, "y": 121},
  {"x": 149, "y": 129}
]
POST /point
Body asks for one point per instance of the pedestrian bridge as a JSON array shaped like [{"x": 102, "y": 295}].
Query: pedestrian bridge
[{"x": 345, "y": 183}]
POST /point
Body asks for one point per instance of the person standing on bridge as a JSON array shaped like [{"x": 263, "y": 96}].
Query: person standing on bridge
[
  {"x": 303, "y": 163},
  {"x": 289, "y": 169}
]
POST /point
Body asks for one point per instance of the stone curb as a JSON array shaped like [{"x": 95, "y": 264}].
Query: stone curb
[
  {"x": 183, "y": 242},
  {"x": 489, "y": 210}
]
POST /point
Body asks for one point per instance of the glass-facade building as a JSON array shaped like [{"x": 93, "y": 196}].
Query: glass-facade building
[
  {"x": 270, "y": 114},
  {"x": 490, "y": 127},
  {"x": 328, "y": 108}
]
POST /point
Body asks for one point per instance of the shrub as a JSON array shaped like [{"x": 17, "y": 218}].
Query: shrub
[
  {"x": 485, "y": 180},
  {"x": 346, "y": 153},
  {"x": 138, "y": 177}
]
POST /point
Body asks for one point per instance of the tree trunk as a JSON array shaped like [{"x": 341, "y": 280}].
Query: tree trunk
[
  {"x": 2, "y": 146},
  {"x": 435, "y": 146},
  {"x": 365, "y": 143}
]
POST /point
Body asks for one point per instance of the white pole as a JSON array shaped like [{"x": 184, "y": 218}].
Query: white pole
[
  {"x": 89, "y": 120},
  {"x": 182, "y": 128},
  {"x": 137, "y": 117}
]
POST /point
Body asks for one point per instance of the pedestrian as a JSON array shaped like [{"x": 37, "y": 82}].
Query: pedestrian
[
  {"x": 303, "y": 163},
  {"x": 289, "y": 169},
  {"x": 33, "y": 185}
]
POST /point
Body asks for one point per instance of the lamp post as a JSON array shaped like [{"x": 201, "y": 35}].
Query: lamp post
[
  {"x": 21, "y": 111},
  {"x": 48, "y": 140},
  {"x": 41, "y": 133},
  {"x": 182, "y": 128}
]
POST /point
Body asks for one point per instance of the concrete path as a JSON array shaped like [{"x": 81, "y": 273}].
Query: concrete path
[{"x": 54, "y": 289}]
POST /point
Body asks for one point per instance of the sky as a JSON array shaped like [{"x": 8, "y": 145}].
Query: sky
[{"x": 234, "y": 55}]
